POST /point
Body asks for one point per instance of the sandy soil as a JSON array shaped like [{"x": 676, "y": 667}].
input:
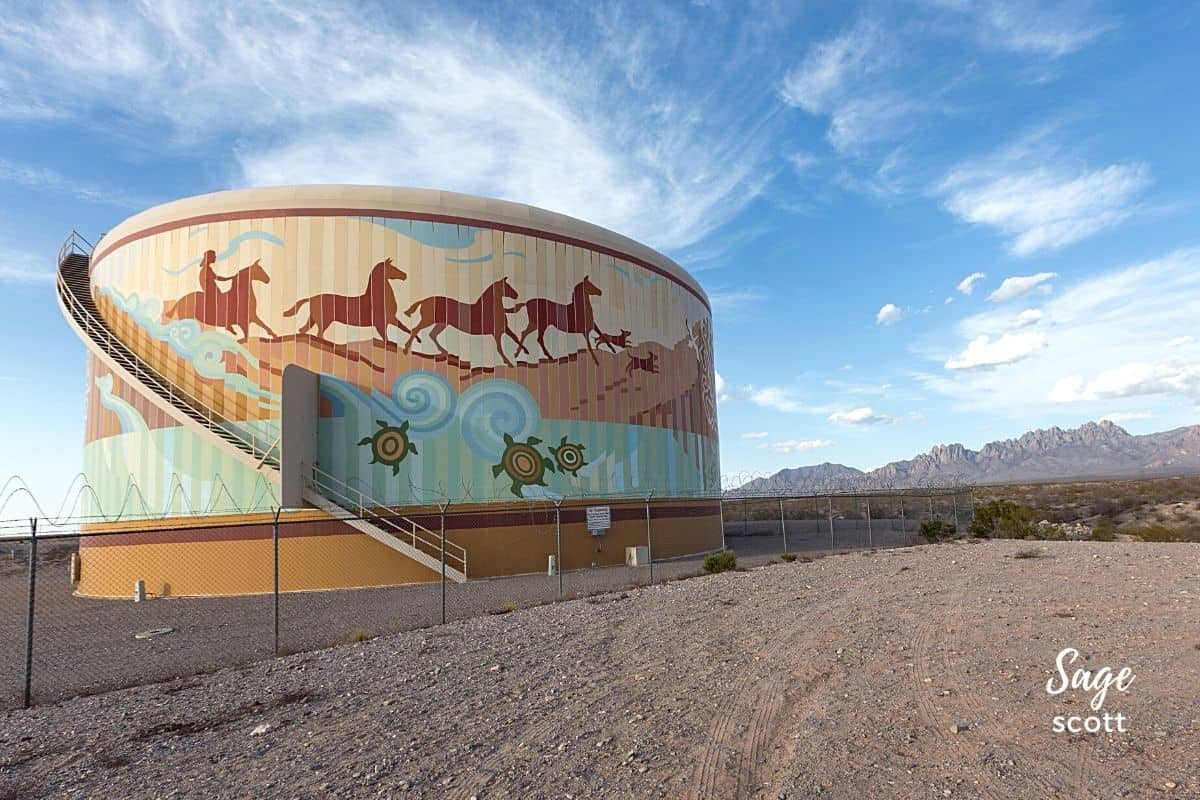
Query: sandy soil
[
  {"x": 87, "y": 645},
  {"x": 903, "y": 673}
]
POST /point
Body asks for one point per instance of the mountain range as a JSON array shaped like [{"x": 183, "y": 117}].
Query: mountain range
[{"x": 1093, "y": 450}]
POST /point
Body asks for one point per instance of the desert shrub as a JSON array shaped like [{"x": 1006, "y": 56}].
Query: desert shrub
[
  {"x": 1104, "y": 531},
  {"x": 1157, "y": 533},
  {"x": 360, "y": 635},
  {"x": 720, "y": 562},
  {"x": 1030, "y": 552},
  {"x": 788, "y": 557},
  {"x": 1003, "y": 519},
  {"x": 935, "y": 530}
]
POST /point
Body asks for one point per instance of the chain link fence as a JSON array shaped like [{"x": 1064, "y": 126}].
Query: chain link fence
[{"x": 64, "y": 634}]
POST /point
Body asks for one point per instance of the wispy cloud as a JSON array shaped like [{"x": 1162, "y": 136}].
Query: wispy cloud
[
  {"x": 1134, "y": 379},
  {"x": 864, "y": 415},
  {"x": 967, "y": 284},
  {"x": 823, "y": 79},
  {"x": 777, "y": 398},
  {"x": 1126, "y": 416},
  {"x": 1040, "y": 199},
  {"x": 1030, "y": 316},
  {"x": 889, "y": 314},
  {"x": 789, "y": 446},
  {"x": 18, "y": 266},
  {"x": 985, "y": 353},
  {"x": 1020, "y": 285},
  {"x": 1101, "y": 338},
  {"x": 1026, "y": 26},
  {"x": 755, "y": 435},
  {"x": 46, "y": 179},
  {"x": 733, "y": 301},
  {"x": 353, "y": 94}
]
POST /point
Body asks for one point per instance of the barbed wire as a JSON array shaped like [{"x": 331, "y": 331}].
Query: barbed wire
[{"x": 740, "y": 487}]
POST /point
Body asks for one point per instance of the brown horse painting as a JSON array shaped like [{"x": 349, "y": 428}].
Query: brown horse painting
[
  {"x": 573, "y": 317},
  {"x": 486, "y": 316},
  {"x": 235, "y": 308},
  {"x": 374, "y": 308}
]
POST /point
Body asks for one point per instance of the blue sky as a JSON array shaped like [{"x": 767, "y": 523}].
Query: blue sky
[{"x": 918, "y": 222}]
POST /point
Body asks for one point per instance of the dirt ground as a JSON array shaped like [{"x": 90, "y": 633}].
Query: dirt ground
[
  {"x": 87, "y": 645},
  {"x": 915, "y": 672}
]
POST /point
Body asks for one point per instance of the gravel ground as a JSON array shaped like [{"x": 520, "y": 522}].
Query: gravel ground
[
  {"x": 86, "y": 645},
  {"x": 918, "y": 672}
]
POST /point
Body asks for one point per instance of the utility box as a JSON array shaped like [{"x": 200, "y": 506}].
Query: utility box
[
  {"x": 637, "y": 556},
  {"x": 552, "y": 565}
]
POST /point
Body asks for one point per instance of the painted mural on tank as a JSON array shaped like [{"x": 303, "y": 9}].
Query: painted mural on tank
[{"x": 458, "y": 361}]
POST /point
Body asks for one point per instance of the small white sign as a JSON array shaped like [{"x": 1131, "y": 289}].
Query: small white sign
[{"x": 599, "y": 518}]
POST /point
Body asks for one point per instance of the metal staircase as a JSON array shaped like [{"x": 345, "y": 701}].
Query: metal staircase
[
  {"x": 79, "y": 307},
  {"x": 321, "y": 490},
  {"x": 360, "y": 512}
]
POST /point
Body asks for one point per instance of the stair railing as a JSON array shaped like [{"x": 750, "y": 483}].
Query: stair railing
[
  {"x": 362, "y": 505},
  {"x": 102, "y": 336}
]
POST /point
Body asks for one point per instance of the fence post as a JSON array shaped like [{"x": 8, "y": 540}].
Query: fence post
[
  {"x": 971, "y": 500},
  {"x": 832, "y": 540},
  {"x": 783, "y": 525},
  {"x": 721, "y": 511},
  {"x": 931, "y": 508},
  {"x": 275, "y": 562},
  {"x": 442, "y": 515},
  {"x": 903, "y": 529},
  {"x": 649, "y": 551},
  {"x": 954, "y": 499},
  {"x": 870, "y": 536},
  {"x": 558, "y": 544},
  {"x": 746, "y": 518},
  {"x": 29, "y": 611}
]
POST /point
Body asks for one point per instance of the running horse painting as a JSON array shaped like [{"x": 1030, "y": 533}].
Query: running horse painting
[
  {"x": 486, "y": 316},
  {"x": 234, "y": 308},
  {"x": 573, "y": 317},
  {"x": 374, "y": 308}
]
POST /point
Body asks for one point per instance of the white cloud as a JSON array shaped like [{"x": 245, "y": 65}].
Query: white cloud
[
  {"x": 1134, "y": 379},
  {"x": 1049, "y": 29},
  {"x": 859, "y": 416},
  {"x": 729, "y": 303},
  {"x": 801, "y": 161},
  {"x": 948, "y": 301},
  {"x": 341, "y": 94},
  {"x": 43, "y": 178},
  {"x": 755, "y": 435},
  {"x": 984, "y": 353},
  {"x": 1126, "y": 416},
  {"x": 1030, "y": 316},
  {"x": 1038, "y": 203},
  {"x": 889, "y": 314},
  {"x": 822, "y": 79},
  {"x": 1121, "y": 317},
  {"x": 1181, "y": 341},
  {"x": 721, "y": 388},
  {"x": 967, "y": 284},
  {"x": 21, "y": 267},
  {"x": 789, "y": 446},
  {"x": 776, "y": 398},
  {"x": 1021, "y": 285}
]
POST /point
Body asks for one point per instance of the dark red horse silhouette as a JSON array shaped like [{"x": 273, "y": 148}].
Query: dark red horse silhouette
[
  {"x": 486, "y": 316},
  {"x": 573, "y": 317},
  {"x": 374, "y": 308},
  {"x": 235, "y": 308}
]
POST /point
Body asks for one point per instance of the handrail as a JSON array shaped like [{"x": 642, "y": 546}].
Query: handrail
[
  {"x": 361, "y": 504},
  {"x": 72, "y": 245},
  {"x": 102, "y": 336}
]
